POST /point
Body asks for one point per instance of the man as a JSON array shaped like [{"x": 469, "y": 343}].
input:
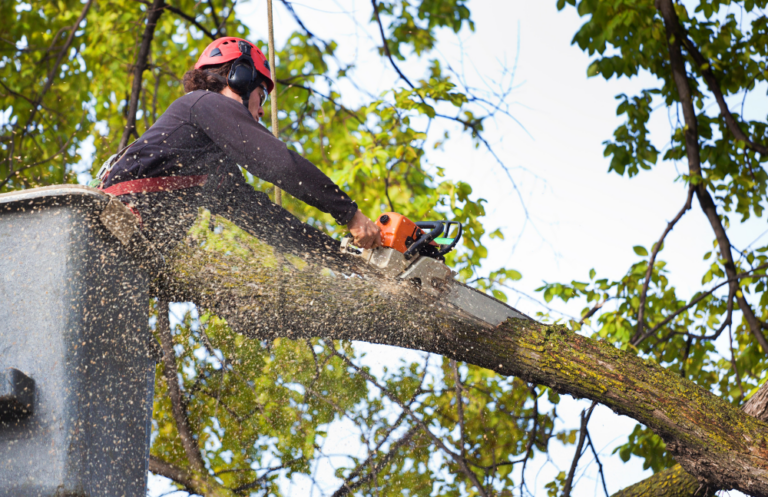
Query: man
[{"x": 192, "y": 153}]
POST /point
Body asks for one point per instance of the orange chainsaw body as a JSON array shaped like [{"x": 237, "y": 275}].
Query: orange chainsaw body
[{"x": 397, "y": 231}]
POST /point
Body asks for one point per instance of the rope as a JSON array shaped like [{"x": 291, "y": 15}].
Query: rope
[{"x": 273, "y": 94}]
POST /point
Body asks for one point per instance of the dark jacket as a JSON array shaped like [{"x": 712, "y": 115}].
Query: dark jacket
[{"x": 202, "y": 130}]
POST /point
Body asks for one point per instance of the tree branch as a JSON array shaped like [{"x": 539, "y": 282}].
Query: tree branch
[
  {"x": 456, "y": 457},
  {"x": 710, "y": 438},
  {"x": 585, "y": 415},
  {"x": 671, "y": 22},
  {"x": 652, "y": 262},
  {"x": 174, "y": 390},
  {"x": 153, "y": 14},
  {"x": 296, "y": 18},
  {"x": 459, "y": 408},
  {"x": 709, "y": 77},
  {"x": 695, "y": 301},
  {"x": 59, "y": 58},
  {"x": 213, "y": 14},
  {"x": 192, "y": 483},
  {"x": 34, "y": 164},
  {"x": 386, "y": 45},
  {"x": 189, "y": 19},
  {"x": 599, "y": 464},
  {"x": 348, "y": 488},
  {"x": 174, "y": 473},
  {"x": 220, "y": 26},
  {"x": 52, "y": 75}
]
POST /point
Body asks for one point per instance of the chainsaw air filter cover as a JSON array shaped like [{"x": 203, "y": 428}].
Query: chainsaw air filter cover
[{"x": 397, "y": 231}]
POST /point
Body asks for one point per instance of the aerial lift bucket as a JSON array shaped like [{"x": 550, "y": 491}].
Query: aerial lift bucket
[{"x": 76, "y": 375}]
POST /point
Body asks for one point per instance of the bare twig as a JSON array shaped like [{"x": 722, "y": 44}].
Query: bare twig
[
  {"x": 154, "y": 97},
  {"x": 734, "y": 365},
  {"x": 189, "y": 19},
  {"x": 348, "y": 488},
  {"x": 532, "y": 439},
  {"x": 599, "y": 464},
  {"x": 592, "y": 311},
  {"x": 15, "y": 173},
  {"x": 585, "y": 415},
  {"x": 262, "y": 479},
  {"x": 215, "y": 18},
  {"x": 459, "y": 408},
  {"x": 296, "y": 18},
  {"x": 386, "y": 45},
  {"x": 652, "y": 261},
  {"x": 220, "y": 27},
  {"x": 686, "y": 354},
  {"x": 696, "y": 301},
  {"x": 456, "y": 457}
]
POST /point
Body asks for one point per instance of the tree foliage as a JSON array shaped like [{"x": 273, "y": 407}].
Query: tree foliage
[
  {"x": 717, "y": 51},
  {"x": 262, "y": 411}
]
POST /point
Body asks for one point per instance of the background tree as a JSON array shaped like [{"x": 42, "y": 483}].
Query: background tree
[
  {"x": 706, "y": 58},
  {"x": 234, "y": 417}
]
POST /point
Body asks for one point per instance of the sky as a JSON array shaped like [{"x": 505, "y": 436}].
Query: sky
[{"x": 574, "y": 215}]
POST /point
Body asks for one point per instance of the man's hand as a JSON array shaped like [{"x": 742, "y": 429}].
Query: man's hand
[{"x": 365, "y": 233}]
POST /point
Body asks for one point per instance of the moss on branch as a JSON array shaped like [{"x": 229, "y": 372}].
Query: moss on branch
[{"x": 265, "y": 293}]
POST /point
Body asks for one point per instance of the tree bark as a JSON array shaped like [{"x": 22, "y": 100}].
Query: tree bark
[
  {"x": 291, "y": 284},
  {"x": 153, "y": 14},
  {"x": 675, "y": 482}
]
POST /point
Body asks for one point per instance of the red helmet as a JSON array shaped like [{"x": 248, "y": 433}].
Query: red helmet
[{"x": 227, "y": 49}]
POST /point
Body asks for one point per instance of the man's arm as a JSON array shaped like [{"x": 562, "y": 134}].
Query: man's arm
[{"x": 233, "y": 129}]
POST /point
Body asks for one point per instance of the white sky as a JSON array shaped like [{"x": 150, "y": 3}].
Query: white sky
[{"x": 580, "y": 215}]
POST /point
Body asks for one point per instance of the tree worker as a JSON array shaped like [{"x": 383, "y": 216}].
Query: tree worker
[{"x": 191, "y": 157}]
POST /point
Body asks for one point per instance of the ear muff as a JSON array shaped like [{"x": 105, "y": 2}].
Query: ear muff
[{"x": 243, "y": 77}]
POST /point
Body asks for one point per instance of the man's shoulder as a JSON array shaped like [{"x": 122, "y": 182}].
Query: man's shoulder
[{"x": 192, "y": 98}]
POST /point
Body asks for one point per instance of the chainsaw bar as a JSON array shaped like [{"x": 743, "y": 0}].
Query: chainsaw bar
[{"x": 426, "y": 276}]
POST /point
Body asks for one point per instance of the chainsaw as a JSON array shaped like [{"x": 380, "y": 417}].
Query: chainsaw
[{"x": 414, "y": 253}]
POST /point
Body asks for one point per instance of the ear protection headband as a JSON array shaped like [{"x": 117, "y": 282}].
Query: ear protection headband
[{"x": 243, "y": 77}]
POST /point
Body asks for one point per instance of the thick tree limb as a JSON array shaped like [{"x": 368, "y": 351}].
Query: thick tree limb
[
  {"x": 674, "y": 43},
  {"x": 675, "y": 482},
  {"x": 153, "y": 14},
  {"x": 242, "y": 279}
]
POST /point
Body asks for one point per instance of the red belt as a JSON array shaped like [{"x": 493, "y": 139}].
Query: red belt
[{"x": 152, "y": 185}]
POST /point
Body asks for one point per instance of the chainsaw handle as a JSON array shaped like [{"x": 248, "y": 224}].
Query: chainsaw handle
[
  {"x": 437, "y": 228},
  {"x": 448, "y": 232}
]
